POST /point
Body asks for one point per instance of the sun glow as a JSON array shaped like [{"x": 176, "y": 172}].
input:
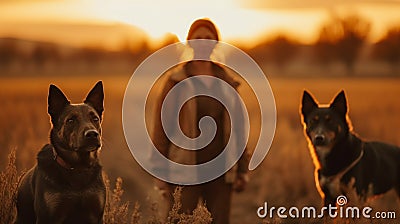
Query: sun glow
[
  {"x": 156, "y": 18},
  {"x": 175, "y": 16}
]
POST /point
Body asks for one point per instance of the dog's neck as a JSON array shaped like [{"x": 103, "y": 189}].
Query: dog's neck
[
  {"x": 346, "y": 169},
  {"x": 342, "y": 156},
  {"x": 61, "y": 161}
]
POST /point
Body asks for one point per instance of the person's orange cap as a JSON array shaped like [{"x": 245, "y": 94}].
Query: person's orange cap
[{"x": 202, "y": 23}]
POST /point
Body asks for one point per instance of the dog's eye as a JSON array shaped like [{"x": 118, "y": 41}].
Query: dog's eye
[
  {"x": 70, "y": 120},
  {"x": 315, "y": 119},
  {"x": 96, "y": 119}
]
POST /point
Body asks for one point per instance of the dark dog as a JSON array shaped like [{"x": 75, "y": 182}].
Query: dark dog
[
  {"x": 341, "y": 158},
  {"x": 66, "y": 185}
]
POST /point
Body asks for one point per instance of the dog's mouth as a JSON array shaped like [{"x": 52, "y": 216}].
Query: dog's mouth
[
  {"x": 88, "y": 147},
  {"x": 91, "y": 148},
  {"x": 319, "y": 143}
]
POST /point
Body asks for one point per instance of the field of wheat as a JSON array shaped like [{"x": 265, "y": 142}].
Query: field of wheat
[{"x": 285, "y": 177}]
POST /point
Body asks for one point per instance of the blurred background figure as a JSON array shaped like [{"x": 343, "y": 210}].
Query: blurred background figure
[{"x": 216, "y": 194}]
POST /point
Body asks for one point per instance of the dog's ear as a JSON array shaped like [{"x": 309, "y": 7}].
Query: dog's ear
[
  {"x": 308, "y": 104},
  {"x": 95, "y": 98},
  {"x": 56, "y": 102},
  {"x": 339, "y": 104}
]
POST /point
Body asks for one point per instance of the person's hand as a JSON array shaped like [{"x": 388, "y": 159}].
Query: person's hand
[
  {"x": 162, "y": 187},
  {"x": 241, "y": 182}
]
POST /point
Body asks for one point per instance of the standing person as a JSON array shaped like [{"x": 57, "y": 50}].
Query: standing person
[{"x": 217, "y": 193}]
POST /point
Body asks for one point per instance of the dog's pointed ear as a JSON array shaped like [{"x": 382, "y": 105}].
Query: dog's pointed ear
[
  {"x": 95, "y": 98},
  {"x": 339, "y": 103},
  {"x": 56, "y": 102},
  {"x": 308, "y": 104}
]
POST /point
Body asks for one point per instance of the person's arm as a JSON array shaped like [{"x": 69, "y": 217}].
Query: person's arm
[
  {"x": 158, "y": 136},
  {"x": 242, "y": 177}
]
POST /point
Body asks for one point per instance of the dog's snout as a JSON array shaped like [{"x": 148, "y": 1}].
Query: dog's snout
[
  {"x": 91, "y": 140},
  {"x": 91, "y": 134},
  {"x": 319, "y": 139}
]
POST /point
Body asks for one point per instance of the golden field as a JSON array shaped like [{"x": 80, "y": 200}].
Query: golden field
[{"x": 285, "y": 178}]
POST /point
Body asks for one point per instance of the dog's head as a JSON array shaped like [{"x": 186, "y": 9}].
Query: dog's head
[
  {"x": 324, "y": 125},
  {"x": 76, "y": 131}
]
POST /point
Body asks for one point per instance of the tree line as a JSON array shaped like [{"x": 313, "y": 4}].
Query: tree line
[{"x": 340, "y": 40}]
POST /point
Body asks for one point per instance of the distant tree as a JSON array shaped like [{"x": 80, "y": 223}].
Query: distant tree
[
  {"x": 388, "y": 48},
  {"x": 341, "y": 40},
  {"x": 135, "y": 49},
  {"x": 282, "y": 50},
  {"x": 168, "y": 39},
  {"x": 90, "y": 54},
  {"x": 278, "y": 50},
  {"x": 8, "y": 52},
  {"x": 45, "y": 52}
]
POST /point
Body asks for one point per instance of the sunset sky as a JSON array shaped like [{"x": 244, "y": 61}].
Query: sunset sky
[{"x": 242, "y": 21}]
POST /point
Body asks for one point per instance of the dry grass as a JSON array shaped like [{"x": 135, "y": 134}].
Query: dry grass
[
  {"x": 116, "y": 211},
  {"x": 200, "y": 214},
  {"x": 9, "y": 178},
  {"x": 285, "y": 178}
]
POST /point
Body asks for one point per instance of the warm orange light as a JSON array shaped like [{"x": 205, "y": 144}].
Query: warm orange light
[{"x": 158, "y": 17}]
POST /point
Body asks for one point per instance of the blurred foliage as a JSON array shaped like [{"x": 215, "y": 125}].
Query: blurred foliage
[
  {"x": 279, "y": 50},
  {"x": 342, "y": 39},
  {"x": 8, "y": 51},
  {"x": 388, "y": 48}
]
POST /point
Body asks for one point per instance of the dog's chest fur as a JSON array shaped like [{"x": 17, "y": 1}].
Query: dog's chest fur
[
  {"x": 330, "y": 184},
  {"x": 339, "y": 181},
  {"x": 69, "y": 191},
  {"x": 74, "y": 202}
]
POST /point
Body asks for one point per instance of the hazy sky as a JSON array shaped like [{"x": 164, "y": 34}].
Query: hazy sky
[
  {"x": 295, "y": 4},
  {"x": 242, "y": 20}
]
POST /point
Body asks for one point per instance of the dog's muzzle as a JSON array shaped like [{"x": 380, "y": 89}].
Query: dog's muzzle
[
  {"x": 319, "y": 140},
  {"x": 91, "y": 140}
]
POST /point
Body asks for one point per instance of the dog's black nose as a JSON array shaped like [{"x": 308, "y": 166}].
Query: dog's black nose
[
  {"x": 319, "y": 139},
  {"x": 91, "y": 134}
]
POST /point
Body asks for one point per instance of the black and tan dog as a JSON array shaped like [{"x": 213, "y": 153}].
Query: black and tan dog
[
  {"x": 343, "y": 159},
  {"x": 66, "y": 185}
]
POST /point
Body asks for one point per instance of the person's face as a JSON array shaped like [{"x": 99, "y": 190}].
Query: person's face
[
  {"x": 203, "y": 33},
  {"x": 203, "y": 49}
]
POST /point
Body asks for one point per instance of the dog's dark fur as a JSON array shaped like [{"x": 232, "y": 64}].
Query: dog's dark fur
[
  {"x": 343, "y": 159},
  {"x": 66, "y": 185}
]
